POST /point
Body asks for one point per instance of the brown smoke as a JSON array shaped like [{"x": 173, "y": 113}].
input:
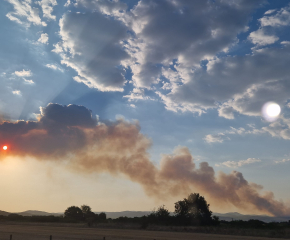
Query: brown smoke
[{"x": 71, "y": 133}]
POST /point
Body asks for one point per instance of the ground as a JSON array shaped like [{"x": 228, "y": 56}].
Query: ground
[{"x": 78, "y": 232}]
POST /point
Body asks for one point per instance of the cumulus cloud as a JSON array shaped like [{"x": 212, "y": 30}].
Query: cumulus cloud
[
  {"x": 91, "y": 45},
  {"x": 270, "y": 22},
  {"x": 43, "y": 38},
  {"x": 280, "y": 18},
  {"x": 233, "y": 164},
  {"x": 260, "y": 38},
  {"x": 24, "y": 13},
  {"x": 242, "y": 84},
  {"x": 23, "y": 73},
  {"x": 152, "y": 43},
  {"x": 72, "y": 134},
  {"x": 199, "y": 36}
]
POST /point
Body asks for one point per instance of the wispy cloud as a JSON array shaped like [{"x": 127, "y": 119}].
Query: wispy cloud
[
  {"x": 28, "y": 81},
  {"x": 212, "y": 138},
  {"x": 234, "y": 164},
  {"x": 282, "y": 161},
  {"x": 24, "y": 13},
  {"x": 23, "y": 73},
  {"x": 54, "y": 67}
]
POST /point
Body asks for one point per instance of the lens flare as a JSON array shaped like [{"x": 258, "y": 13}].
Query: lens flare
[
  {"x": 5, "y": 148},
  {"x": 271, "y": 111}
]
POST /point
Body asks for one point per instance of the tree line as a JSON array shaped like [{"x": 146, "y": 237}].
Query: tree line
[{"x": 191, "y": 211}]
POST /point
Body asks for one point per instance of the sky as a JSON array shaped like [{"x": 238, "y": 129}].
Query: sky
[{"x": 128, "y": 105}]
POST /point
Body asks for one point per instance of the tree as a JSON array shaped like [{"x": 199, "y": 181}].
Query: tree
[
  {"x": 73, "y": 213},
  {"x": 87, "y": 212},
  {"x": 194, "y": 210},
  {"x": 160, "y": 216},
  {"x": 86, "y": 209},
  {"x": 102, "y": 217}
]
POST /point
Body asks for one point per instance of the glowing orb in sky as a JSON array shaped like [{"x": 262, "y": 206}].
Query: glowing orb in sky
[
  {"x": 5, "y": 148},
  {"x": 271, "y": 111}
]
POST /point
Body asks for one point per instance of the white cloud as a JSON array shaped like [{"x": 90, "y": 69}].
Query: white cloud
[
  {"x": 43, "y": 38},
  {"x": 57, "y": 48},
  {"x": 16, "y": 92},
  {"x": 282, "y": 161},
  {"x": 28, "y": 81},
  {"x": 24, "y": 13},
  {"x": 285, "y": 42},
  {"x": 23, "y": 73},
  {"x": 137, "y": 94},
  {"x": 270, "y": 11},
  {"x": 54, "y": 67},
  {"x": 278, "y": 129},
  {"x": 212, "y": 138},
  {"x": 67, "y": 3},
  {"x": 47, "y": 8},
  {"x": 260, "y": 38},
  {"x": 280, "y": 18},
  {"x": 234, "y": 164}
]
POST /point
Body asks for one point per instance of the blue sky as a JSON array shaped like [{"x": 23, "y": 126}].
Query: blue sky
[{"x": 192, "y": 73}]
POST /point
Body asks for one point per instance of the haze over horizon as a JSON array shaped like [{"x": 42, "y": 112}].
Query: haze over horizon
[{"x": 127, "y": 105}]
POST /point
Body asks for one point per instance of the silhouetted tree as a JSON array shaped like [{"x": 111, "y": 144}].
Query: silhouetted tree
[
  {"x": 160, "y": 216},
  {"x": 102, "y": 217},
  {"x": 86, "y": 209},
  {"x": 73, "y": 213},
  {"x": 88, "y": 215},
  {"x": 194, "y": 210}
]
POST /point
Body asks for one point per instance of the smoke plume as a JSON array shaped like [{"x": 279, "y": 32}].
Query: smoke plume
[{"x": 71, "y": 133}]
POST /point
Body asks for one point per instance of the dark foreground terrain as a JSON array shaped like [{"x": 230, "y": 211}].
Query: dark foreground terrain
[{"x": 79, "y": 232}]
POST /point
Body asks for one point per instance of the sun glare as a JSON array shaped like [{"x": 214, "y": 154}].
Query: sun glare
[
  {"x": 271, "y": 111},
  {"x": 5, "y": 148}
]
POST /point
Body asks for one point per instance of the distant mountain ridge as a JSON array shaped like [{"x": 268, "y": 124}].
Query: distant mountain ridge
[
  {"x": 223, "y": 216},
  {"x": 37, "y": 213},
  {"x": 237, "y": 216}
]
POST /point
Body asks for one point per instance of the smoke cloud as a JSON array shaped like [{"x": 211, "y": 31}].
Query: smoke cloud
[{"x": 71, "y": 133}]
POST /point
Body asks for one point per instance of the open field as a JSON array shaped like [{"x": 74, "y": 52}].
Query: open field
[{"x": 42, "y": 232}]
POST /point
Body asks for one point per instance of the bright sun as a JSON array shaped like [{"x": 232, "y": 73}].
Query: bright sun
[
  {"x": 271, "y": 111},
  {"x": 5, "y": 147}
]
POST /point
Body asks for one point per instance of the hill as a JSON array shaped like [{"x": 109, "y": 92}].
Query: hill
[
  {"x": 3, "y": 213},
  {"x": 37, "y": 213}
]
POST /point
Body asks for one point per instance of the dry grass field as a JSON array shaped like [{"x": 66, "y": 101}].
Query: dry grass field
[{"x": 78, "y": 232}]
